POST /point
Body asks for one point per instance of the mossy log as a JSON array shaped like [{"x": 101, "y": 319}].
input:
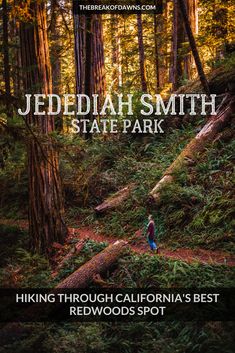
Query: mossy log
[
  {"x": 74, "y": 251},
  {"x": 214, "y": 125},
  {"x": 116, "y": 199},
  {"x": 99, "y": 264},
  {"x": 81, "y": 278}
]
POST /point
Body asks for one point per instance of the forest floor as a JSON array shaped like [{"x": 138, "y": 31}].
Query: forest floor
[{"x": 138, "y": 244}]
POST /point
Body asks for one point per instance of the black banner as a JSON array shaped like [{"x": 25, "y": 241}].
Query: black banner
[
  {"x": 38, "y": 305},
  {"x": 117, "y": 7}
]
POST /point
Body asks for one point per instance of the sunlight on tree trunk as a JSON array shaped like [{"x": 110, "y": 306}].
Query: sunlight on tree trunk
[
  {"x": 141, "y": 54},
  {"x": 193, "y": 45},
  {"x": 46, "y": 211}
]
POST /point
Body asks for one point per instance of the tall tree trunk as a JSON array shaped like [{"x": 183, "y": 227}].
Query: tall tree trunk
[
  {"x": 161, "y": 51},
  {"x": 116, "y": 52},
  {"x": 98, "y": 81},
  {"x": 14, "y": 37},
  {"x": 6, "y": 51},
  {"x": 178, "y": 39},
  {"x": 220, "y": 30},
  {"x": 164, "y": 48},
  {"x": 79, "y": 48},
  {"x": 88, "y": 66},
  {"x": 89, "y": 57},
  {"x": 156, "y": 52},
  {"x": 192, "y": 10},
  {"x": 193, "y": 46},
  {"x": 46, "y": 224},
  {"x": 114, "y": 55},
  {"x": 55, "y": 57},
  {"x": 119, "y": 56},
  {"x": 141, "y": 53},
  {"x": 125, "y": 61}
]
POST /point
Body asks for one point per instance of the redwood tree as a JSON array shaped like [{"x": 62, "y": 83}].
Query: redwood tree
[
  {"x": 89, "y": 54},
  {"x": 98, "y": 77},
  {"x": 141, "y": 53},
  {"x": 89, "y": 57},
  {"x": 46, "y": 224},
  {"x": 182, "y": 62},
  {"x": 6, "y": 51},
  {"x": 116, "y": 52},
  {"x": 156, "y": 52},
  {"x": 56, "y": 49},
  {"x": 192, "y": 9},
  {"x": 88, "y": 67},
  {"x": 178, "y": 39},
  {"x": 79, "y": 51},
  {"x": 193, "y": 46}
]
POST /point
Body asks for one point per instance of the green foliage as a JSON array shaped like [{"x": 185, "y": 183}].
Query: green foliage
[
  {"x": 157, "y": 272},
  {"x": 19, "y": 267},
  {"x": 11, "y": 238},
  {"x": 217, "y": 27},
  {"x": 192, "y": 337},
  {"x": 196, "y": 209},
  {"x": 13, "y": 177},
  {"x": 90, "y": 249},
  {"x": 34, "y": 269}
]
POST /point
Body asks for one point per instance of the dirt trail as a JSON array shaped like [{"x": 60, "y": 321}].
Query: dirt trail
[{"x": 139, "y": 245}]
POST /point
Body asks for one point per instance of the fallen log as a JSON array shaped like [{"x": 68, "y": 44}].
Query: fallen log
[
  {"x": 99, "y": 264},
  {"x": 81, "y": 278},
  {"x": 116, "y": 199},
  {"x": 189, "y": 154},
  {"x": 76, "y": 249}
]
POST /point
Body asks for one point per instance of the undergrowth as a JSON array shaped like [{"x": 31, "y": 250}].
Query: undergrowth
[
  {"x": 190, "y": 337},
  {"x": 196, "y": 210},
  {"x": 101, "y": 337},
  {"x": 143, "y": 271}
]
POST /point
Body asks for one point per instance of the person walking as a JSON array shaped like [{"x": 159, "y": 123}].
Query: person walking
[{"x": 151, "y": 234}]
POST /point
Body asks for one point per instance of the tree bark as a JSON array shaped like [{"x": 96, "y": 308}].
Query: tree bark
[
  {"x": 178, "y": 39},
  {"x": 214, "y": 125},
  {"x": 162, "y": 26},
  {"x": 14, "y": 37},
  {"x": 89, "y": 79},
  {"x": 141, "y": 53},
  {"x": 6, "y": 52},
  {"x": 99, "y": 264},
  {"x": 156, "y": 53},
  {"x": 220, "y": 25},
  {"x": 192, "y": 11},
  {"x": 98, "y": 74},
  {"x": 56, "y": 57},
  {"x": 116, "y": 53},
  {"x": 79, "y": 49},
  {"x": 89, "y": 57},
  {"x": 115, "y": 200},
  {"x": 193, "y": 46},
  {"x": 46, "y": 211}
]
